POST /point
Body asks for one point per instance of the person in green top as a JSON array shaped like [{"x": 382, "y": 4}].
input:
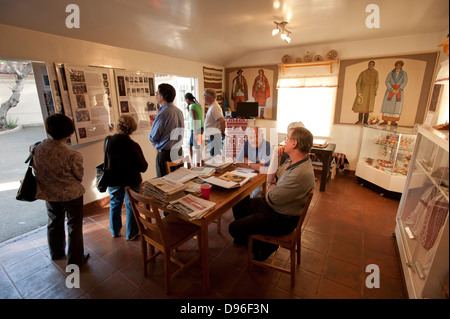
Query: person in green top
[{"x": 196, "y": 116}]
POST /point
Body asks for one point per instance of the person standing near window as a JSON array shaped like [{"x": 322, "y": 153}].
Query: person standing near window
[
  {"x": 126, "y": 163},
  {"x": 166, "y": 134},
  {"x": 196, "y": 116},
  {"x": 59, "y": 172},
  {"x": 215, "y": 123}
]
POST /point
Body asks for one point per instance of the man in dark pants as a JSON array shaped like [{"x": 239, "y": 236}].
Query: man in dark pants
[
  {"x": 167, "y": 129},
  {"x": 278, "y": 212}
]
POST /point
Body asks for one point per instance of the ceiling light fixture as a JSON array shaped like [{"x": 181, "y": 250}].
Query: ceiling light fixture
[{"x": 281, "y": 28}]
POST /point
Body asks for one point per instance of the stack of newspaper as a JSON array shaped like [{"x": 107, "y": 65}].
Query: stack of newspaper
[
  {"x": 219, "y": 162},
  {"x": 164, "y": 190},
  {"x": 182, "y": 175},
  {"x": 236, "y": 178},
  {"x": 191, "y": 206},
  {"x": 203, "y": 171}
]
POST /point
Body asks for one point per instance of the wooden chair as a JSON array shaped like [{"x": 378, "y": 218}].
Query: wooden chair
[
  {"x": 290, "y": 241},
  {"x": 172, "y": 166},
  {"x": 166, "y": 234}
]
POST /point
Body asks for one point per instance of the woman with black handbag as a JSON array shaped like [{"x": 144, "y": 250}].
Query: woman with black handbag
[
  {"x": 126, "y": 162},
  {"x": 59, "y": 172}
]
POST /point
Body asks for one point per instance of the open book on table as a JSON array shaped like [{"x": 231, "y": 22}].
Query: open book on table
[
  {"x": 191, "y": 206},
  {"x": 236, "y": 178}
]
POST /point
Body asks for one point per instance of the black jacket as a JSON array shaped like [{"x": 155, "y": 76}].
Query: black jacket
[{"x": 126, "y": 161}]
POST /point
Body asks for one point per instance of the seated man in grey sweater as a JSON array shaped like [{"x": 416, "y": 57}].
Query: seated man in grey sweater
[{"x": 278, "y": 212}]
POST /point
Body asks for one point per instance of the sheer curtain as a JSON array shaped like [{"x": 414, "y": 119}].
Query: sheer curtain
[{"x": 309, "y": 100}]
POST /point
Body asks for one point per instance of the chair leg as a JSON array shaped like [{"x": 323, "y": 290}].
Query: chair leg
[
  {"x": 144, "y": 256},
  {"x": 249, "y": 254},
  {"x": 219, "y": 225},
  {"x": 298, "y": 251},
  {"x": 167, "y": 270},
  {"x": 292, "y": 267}
]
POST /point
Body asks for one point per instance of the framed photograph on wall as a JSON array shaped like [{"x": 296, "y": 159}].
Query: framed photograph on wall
[
  {"x": 254, "y": 84},
  {"x": 394, "y": 88}
]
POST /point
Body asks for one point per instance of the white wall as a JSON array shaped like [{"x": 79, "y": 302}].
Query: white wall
[
  {"x": 23, "y": 44},
  {"x": 347, "y": 137}
]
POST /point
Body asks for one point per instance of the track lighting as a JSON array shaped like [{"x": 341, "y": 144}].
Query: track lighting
[{"x": 281, "y": 28}]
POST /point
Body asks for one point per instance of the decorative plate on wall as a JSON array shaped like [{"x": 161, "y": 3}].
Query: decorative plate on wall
[
  {"x": 318, "y": 58},
  {"x": 332, "y": 55},
  {"x": 286, "y": 59},
  {"x": 298, "y": 60}
]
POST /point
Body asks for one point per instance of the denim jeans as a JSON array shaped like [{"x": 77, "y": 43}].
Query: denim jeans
[
  {"x": 215, "y": 143},
  {"x": 117, "y": 196}
]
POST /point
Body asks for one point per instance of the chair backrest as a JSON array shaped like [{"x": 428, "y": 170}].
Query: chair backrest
[
  {"x": 147, "y": 216},
  {"x": 172, "y": 166},
  {"x": 298, "y": 229}
]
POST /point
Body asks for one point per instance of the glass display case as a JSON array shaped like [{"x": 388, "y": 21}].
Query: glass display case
[
  {"x": 422, "y": 218},
  {"x": 384, "y": 157}
]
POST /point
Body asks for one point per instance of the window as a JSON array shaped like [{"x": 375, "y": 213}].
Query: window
[{"x": 309, "y": 100}]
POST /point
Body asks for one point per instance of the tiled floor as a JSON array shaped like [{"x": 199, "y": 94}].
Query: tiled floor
[{"x": 348, "y": 228}]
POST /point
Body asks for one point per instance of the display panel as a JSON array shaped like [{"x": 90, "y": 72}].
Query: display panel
[
  {"x": 89, "y": 90},
  {"x": 136, "y": 96}
]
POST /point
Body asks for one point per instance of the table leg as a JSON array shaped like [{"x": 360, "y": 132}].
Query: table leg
[{"x": 205, "y": 256}]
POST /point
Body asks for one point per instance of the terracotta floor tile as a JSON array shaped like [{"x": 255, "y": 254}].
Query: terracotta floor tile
[
  {"x": 329, "y": 289},
  {"x": 113, "y": 287},
  {"x": 348, "y": 252},
  {"x": 343, "y": 272},
  {"x": 347, "y": 228}
]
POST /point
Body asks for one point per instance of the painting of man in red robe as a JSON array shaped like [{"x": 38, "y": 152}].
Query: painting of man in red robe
[{"x": 261, "y": 89}]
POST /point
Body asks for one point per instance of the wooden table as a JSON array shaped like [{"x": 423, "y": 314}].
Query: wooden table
[
  {"x": 225, "y": 199},
  {"x": 324, "y": 154}
]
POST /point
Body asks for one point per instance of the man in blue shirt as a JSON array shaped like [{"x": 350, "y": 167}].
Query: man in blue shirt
[
  {"x": 256, "y": 152},
  {"x": 167, "y": 129}
]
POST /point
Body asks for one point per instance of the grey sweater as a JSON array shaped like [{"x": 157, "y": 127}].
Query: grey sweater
[{"x": 290, "y": 193}]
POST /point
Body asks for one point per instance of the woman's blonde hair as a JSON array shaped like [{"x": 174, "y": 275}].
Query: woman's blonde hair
[{"x": 126, "y": 124}]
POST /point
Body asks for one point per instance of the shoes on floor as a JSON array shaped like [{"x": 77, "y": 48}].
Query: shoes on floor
[
  {"x": 240, "y": 242},
  {"x": 358, "y": 122},
  {"x": 384, "y": 123},
  {"x": 133, "y": 237},
  {"x": 85, "y": 258},
  {"x": 394, "y": 123},
  {"x": 262, "y": 255}
]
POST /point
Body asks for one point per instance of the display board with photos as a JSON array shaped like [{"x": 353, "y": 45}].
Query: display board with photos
[
  {"x": 89, "y": 90},
  {"x": 136, "y": 96}
]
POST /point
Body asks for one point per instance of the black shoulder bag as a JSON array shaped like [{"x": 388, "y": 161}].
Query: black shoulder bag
[
  {"x": 28, "y": 185},
  {"x": 103, "y": 170}
]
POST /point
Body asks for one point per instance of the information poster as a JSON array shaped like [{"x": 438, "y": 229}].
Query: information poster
[
  {"x": 136, "y": 96},
  {"x": 89, "y": 90}
]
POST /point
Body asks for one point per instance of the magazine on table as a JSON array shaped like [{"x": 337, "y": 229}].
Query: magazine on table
[
  {"x": 236, "y": 178},
  {"x": 219, "y": 161},
  {"x": 193, "y": 186},
  {"x": 204, "y": 171},
  {"x": 191, "y": 206},
  {"x": 182, "y": 175}
]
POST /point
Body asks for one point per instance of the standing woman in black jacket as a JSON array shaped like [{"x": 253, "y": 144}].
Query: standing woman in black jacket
[{"x": 127, "y": 162}]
